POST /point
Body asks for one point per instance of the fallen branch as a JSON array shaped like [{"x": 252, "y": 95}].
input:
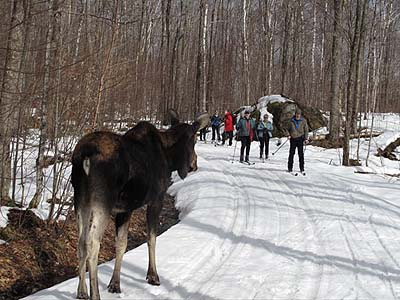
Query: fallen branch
[
  {"x": 374, "y": 173},
  {"x": 388, "y": 152}
]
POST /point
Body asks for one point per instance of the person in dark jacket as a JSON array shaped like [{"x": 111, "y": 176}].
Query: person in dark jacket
[
  {"x": 245, "y": 127},
  {"x": 215, "y": 122},
  {"x": 264, "y": 133},
  {"x": 297, "y": 132},
  {"x": 228, "y": 128},
  {"x": 203, "y": 133}
]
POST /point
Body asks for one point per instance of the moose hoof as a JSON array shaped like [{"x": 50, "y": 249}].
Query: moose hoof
[
  {"x": 114, "y": 288},
  {"x": 82, "y": 295},
  {"x": 153, "y": 280}
]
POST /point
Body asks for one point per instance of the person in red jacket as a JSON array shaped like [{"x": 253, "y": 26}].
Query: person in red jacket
[{"x": 228, "y": 130}]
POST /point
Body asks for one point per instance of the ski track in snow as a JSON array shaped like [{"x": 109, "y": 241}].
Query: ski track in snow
[{"x": 256, "y": 232}]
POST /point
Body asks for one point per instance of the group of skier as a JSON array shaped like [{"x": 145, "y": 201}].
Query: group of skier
[{"x": 251, "y": 127}]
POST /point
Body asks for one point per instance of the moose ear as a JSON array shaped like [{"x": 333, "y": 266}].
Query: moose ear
[
  {"x": 202, "y": 119},
  {"x": 173, "y": 116},
  {"x": 195, "y": 126}
]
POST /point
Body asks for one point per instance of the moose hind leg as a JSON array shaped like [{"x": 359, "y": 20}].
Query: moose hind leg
[
  {"x": 98, "y": 222},
  {"x": 121, "y": 241},
  {"x": 153, "y": 214},
  {"x": 82, "y": 257}
]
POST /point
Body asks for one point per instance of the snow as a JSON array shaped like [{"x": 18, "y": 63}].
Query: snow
[
  {"x": 256, "y": 232},
  {"x": 263, "y": 101},
  {"x": 3, "y": 216}
]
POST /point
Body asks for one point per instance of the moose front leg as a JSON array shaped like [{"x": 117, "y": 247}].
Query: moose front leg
[{"x": 153, "y": 215}]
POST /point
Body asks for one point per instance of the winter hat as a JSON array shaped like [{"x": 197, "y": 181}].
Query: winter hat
[
  {"x": 247, "y": 111},
  {"x": 298, "y": 111}
]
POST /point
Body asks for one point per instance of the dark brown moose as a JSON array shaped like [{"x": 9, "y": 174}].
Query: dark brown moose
[{"x": 115, "y": 174}]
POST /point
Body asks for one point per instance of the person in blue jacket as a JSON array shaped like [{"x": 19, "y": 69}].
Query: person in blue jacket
[
  {"x": 264, "y": 133},
  {"x": 215, "y": 123},
  {"x": 245, "y": 129}
]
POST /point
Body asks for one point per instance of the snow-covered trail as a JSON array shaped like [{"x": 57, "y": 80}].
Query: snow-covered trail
[{"x": 257, "y": 232}]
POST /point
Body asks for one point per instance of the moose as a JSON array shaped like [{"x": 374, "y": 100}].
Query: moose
[{"x": 114, "y": 175}]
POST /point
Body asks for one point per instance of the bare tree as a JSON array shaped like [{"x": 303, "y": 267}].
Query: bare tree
[
  {"x": 246, "y": 62},
  {"x": 6, "y": 111},
  {"x": 334, "y": 123}
]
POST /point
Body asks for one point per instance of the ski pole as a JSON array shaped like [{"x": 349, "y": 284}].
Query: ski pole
[
  {"x": 234, "y": 150},
  {"x": 273, "y": 153}
]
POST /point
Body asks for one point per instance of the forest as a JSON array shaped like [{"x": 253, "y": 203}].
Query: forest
[{"x": 69, "y": 67}]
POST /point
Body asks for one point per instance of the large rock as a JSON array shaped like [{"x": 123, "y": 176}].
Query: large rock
[{"x": 283, "y": 111}]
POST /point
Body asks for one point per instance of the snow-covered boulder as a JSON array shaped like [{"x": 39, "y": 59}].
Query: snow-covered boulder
[{"x": 282, "y": 108}]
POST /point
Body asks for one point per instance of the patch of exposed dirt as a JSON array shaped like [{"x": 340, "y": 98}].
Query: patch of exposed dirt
[
  {"x": 37, "y": 255},
  {"x": 328, "y": 144}
]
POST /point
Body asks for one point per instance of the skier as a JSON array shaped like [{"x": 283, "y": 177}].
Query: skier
[
  {"x": 245, "y": 127},
  {"x": 203, "y": 132},
  {"x": 297, "y": 132},
  {"x": 264, "y": 133},
  {"x": 228, "y": 128},
  {"x": 215, "y": 122}
]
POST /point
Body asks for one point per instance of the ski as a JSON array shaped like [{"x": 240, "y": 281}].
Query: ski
[
  {"x": 217, "y": 143},
  {"x": 247, "y": 163},
  {"x": 297, "y": 173}
]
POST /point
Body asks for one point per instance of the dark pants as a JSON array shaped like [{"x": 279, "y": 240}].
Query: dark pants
[
  {"x": 203, "y": 134},
  {"x": 245, "y": 145},
  {"x": 264, "y": 143},
  {"x": 227, "y": 135},
  {"x": 215, "y": 129},
  {"x": 296, "y": 143}
]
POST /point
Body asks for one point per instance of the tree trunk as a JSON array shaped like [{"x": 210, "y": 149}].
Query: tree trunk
[
  {"x": 204, "y": 47},
  {"x": 43, "y": 106},
  {"x": 285, "y": 46},
  {"x": 334, "y": 99},
  {"x": 313, "y": 59},
  {"x": 98, "y": 120},
  {"x": 350, "y": 83},
  {"x": 5, "y": 106},
  {"x": 246, "y": 54},
  {"x": 201, "y": 77}
]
